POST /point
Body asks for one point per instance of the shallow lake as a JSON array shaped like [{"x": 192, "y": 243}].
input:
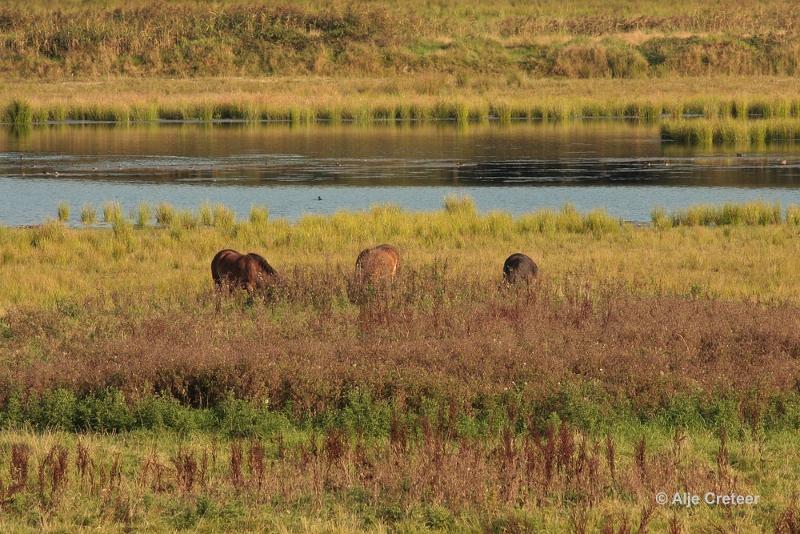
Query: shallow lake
[{"x": 622, "y": 167}]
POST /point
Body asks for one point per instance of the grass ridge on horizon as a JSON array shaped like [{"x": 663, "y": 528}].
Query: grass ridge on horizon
[{"x": 583, "y": 40}]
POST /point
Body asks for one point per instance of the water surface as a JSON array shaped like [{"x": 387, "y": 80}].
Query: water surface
[{"x": 621, "y": 167}]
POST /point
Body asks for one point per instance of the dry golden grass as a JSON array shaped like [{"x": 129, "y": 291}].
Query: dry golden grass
[{"x": 96, "y": 39}]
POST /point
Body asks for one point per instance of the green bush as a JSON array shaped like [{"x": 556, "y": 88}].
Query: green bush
[{"x": 107, "y": 411}]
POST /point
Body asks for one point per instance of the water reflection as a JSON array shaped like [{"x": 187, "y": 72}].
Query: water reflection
[{"x": 621, "y": 166}]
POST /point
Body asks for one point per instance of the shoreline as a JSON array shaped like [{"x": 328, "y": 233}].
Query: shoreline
[{"x": 301, "y": 100}]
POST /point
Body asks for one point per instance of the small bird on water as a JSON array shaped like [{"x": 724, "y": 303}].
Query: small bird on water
[
  {"x": 784, "y": 162},
  {"x": 319, "y": 198}
]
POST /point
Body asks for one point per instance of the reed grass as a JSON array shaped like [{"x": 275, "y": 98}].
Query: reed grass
[
  {"x": 223, "y": 217},
  {"x": 18, "y": 113},
  {"x": 63, "y": 211},
  {"x": 206, "y": 214},
  {"x": 112, "y": 211},
  {"x": 259, "y": 215},
  {"x": 793, "y": 215},
  {"x": 165, "y": 213},
  {"x": 360, "y": 101},
  {"x": 144, "y": 215},
  {"x": 757, "y": 213},
  {"x": 478, "y": 109},
  {"x": 732, "y": 132},
  {"x": 88, "y": 214}
]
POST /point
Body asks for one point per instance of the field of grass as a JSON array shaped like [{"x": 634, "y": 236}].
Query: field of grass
[
  {"x": 650, "y": 359},
  {"x": 738, "y": 252},
  {"x": 773, "y": 101},
  {"x": 559, "y": 481},
  {"x": 585, "y": 39}
]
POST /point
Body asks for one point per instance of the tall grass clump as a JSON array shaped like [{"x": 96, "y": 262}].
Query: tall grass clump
[
  {"x": 63, "y": 211},
  {"x": 144, "y": 112},
  {"x": 691, "y": 133},
  {"x": 793, "y": 215},
  {"x": 123, "y": 230},
  {"x": 112, "y": 211},
  {"x": 18, "y": 113},
  {"x": 599, "y": 222},
  {"x": 165, "y": 213},
  {"x": 144, "y": 214},
  {"x": 88, "y": 214},
  {"x": 224, "y": 217},
  {"x": 731, "y": 132},
  {"x": 205, "y": 214},
  {"x": 660, "y": 218},
  {"x": 463, "y": 206},
  {"x": 757, "y": 213},
  {"x": 259, "y": 215},
  {"x": 183, "y": 220},
  {"x": 568, "y": 219}
]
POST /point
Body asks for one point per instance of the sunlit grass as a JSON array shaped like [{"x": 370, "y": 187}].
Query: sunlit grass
[
  {"x": 718, "y": 248},
  {"x": 731, "y": 132},
  {"x": 748, "y": 214},
  {"x": 342, "y": 100}
]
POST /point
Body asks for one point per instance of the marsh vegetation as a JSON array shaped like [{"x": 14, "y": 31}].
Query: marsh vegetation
[{"x": 641, "y": 359}]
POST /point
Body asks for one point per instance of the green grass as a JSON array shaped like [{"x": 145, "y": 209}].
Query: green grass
[
  {"x": 471, "y": 242},
  {"x": 18, "y": 113},
  {"x": 63, "y": 211},
  {"x": 424, "y": 97},
  {"x": 732, "y": 132},
  {"x": 216, "y": 499},
  {"x": 750, "y": 214},
  {"x": 720, "y": 126}
]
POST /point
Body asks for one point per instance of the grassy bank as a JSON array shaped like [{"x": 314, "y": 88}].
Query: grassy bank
[
  {"x": 583, "y": 40},
  {"x": 427, "y": 97},
  {"x": 731, "y": 132},
  {"x": 751, "y": 214}
]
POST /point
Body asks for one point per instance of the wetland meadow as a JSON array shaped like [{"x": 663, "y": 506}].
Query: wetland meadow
[{"x": 644, "y": 154}]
